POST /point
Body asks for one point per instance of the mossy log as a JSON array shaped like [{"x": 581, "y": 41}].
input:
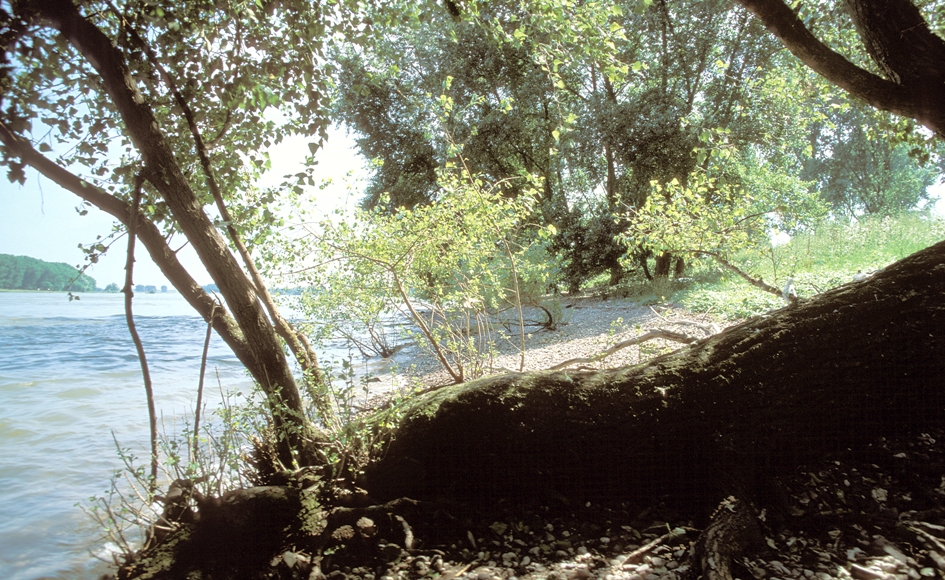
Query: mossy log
[{"x": 725, "y": 415}]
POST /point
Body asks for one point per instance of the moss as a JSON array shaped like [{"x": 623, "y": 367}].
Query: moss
[
  {"x": 164, "y": 557},
  {"x": 312, "y": 516}
]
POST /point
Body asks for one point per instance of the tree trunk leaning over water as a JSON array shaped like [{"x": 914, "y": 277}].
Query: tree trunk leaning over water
[{"x": 724, "y": 416}]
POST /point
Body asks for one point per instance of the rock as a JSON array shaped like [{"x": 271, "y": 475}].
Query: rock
[
  {"x": 938, "y": 559},
  {"x": 499, "y": 528},
  {"x": 366, "y": 527},
  {"x": 862, "y": 573}
]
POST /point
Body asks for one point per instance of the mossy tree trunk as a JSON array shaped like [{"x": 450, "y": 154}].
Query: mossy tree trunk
[{"x": 723, "y": 416}]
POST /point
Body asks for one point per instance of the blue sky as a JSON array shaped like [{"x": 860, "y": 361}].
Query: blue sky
[{"x": 40, "y": 219}]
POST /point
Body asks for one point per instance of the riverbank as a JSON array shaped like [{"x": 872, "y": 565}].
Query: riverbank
[
  {"x": 588, "y": 327},
  {"x": 871, "y": 515}
]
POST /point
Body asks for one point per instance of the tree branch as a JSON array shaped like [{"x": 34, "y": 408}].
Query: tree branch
[
  {"x": 147, "y": 232},
  {"x": 651, "y": 335},
  {"x": 883, "y": 94},
  {"x": 756, "y": 282}
]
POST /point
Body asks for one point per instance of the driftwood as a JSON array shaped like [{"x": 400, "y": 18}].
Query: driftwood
[{"x": 650, "y": 335}]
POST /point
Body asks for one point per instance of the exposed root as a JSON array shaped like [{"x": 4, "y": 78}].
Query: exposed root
[{"x": 733, "y": 529}]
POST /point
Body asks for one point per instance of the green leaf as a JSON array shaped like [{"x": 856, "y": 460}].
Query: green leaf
[{"x": 15, "y": 174}]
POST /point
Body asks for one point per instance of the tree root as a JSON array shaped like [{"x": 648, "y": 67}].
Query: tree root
[{"x": 733, "y": 530}]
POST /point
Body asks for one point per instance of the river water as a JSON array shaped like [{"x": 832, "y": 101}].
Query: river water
[{"x": 69, "y": 378}]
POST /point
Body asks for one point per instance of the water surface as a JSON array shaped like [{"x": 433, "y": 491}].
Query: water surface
[{"x": 69, "y": 378}]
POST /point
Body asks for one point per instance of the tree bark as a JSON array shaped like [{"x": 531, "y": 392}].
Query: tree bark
[
  {"x": 721, "y": 417},
  {"x": 269, "y": 365},
  {"x": 663, "y": 262}
]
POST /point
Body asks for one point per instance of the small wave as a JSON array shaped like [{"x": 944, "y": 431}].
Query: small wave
[
  {"x": 78, "y": 393},
  {"x": 10, "y": 432}
]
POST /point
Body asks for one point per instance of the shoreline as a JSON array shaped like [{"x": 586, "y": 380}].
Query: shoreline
[{"x": 589, "y": 326}]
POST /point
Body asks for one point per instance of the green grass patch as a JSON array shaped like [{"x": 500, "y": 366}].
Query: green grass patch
[{"x": 818, "y": 260}]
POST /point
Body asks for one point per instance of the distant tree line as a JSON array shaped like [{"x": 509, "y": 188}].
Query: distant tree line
[{"x": 25, "y": 273}]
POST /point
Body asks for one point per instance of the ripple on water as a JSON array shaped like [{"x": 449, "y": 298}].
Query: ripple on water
[
  {"x": 10, "y": 385},
  {"x": 78, "y": 393},
  {"x": 11, "y": 432},
  {"x": 69, "y": 378}
]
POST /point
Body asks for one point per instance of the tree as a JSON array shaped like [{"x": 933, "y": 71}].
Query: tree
[
  {"x": 862, "y": 172},
  {"x": 809, "y": 375},
  {"x": 733, "y": 204},
  {"x": 136, "y": 77},
  {"x": 728, "y": 415},
  {"x": 449, "y": 266},
  {"x": 598, "y": 104},
  {"x": 25, "y": 273}
]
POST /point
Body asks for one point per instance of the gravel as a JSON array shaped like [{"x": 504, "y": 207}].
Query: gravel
[{"x": 588, "y": 327}]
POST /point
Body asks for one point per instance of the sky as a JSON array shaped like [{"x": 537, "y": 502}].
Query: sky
[{"x": 40, "y": 219}]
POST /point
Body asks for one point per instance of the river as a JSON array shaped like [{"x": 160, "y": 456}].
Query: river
[{"x": 69, "y": 378}]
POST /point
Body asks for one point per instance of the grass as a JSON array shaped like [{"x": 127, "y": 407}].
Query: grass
[{"x": 824, "y": 258}]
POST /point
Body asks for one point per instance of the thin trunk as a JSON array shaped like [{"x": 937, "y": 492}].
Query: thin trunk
[
  {"x": 612, "y": 200},
  {"x": 139, "y": 347},
  {"x": 456, "y": 375},
  {"x": 203, "y": 372}
]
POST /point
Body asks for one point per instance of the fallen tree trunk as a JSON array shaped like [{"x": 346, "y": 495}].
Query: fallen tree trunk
[{"x": 726, "y": 415}]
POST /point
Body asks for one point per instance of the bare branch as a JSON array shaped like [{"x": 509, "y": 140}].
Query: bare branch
[
  {"x": 130, "y": 319},
  {"x": 647, "y": 336}
]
